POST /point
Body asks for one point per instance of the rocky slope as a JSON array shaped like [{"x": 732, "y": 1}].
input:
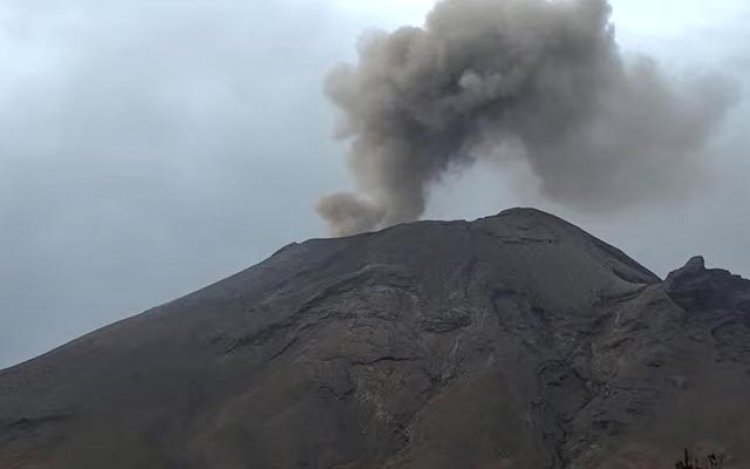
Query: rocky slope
[{"x": 516, "y": 341}]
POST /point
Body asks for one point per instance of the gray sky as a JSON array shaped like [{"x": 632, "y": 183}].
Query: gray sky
[{"x": 147, "y": 148}]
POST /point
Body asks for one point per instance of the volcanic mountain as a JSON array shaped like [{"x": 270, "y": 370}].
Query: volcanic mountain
[{"x": 516, "y": 341}]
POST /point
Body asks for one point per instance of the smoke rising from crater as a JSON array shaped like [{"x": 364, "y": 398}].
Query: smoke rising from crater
[{"x": 542, "y": 80}]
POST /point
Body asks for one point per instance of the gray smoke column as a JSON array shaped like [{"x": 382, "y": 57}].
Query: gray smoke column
[{"x": 539, "y": 79}]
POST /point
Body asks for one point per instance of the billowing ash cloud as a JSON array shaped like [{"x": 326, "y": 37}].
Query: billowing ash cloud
[{"x": 538, "y": 79}]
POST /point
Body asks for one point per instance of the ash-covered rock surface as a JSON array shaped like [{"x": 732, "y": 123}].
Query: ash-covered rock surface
[{"x": 516, "y": 341}]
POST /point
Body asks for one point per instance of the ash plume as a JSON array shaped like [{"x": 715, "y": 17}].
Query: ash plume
[{"x": 545, "y": 77}]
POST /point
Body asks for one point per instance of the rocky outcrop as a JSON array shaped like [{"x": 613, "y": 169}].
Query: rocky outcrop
[{"x": 515, "y": 341}]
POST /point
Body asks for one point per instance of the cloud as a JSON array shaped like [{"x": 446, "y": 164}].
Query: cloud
[
  {"x": 145, "y": 152},
  {"x": 540, "y": 80}
]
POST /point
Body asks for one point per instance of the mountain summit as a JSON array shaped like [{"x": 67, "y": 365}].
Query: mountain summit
[{"x": 516, "y": 341}]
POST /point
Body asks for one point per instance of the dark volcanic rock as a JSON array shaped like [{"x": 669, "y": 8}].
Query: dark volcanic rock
[{"x": 517, "y": 341}]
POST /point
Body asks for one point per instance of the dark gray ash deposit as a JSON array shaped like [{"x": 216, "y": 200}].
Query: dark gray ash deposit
[{"x": 516, "y": 341}]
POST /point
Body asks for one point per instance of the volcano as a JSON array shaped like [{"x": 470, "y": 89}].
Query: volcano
[{"x": 515, "y": 341}]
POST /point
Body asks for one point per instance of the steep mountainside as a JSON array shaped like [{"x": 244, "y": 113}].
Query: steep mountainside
[{"x": 516, "y": 341}]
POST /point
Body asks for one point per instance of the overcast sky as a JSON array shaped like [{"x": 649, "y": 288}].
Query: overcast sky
[{"x": 149, "y": 147}]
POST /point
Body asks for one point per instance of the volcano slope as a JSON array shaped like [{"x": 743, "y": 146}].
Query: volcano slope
[{"x": 515, "y": 341}]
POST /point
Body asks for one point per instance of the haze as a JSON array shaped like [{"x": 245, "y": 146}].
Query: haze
[{"x": 152, "y": 147}]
